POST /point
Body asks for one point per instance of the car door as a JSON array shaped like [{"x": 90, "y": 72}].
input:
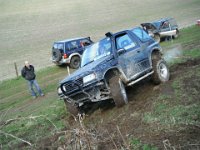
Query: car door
[
  {"x": 145, "y": 42},
  {"x": 166, "y": 29},
  {"x": 73, "y": 47},
  {"x": 129, "y": 55}
]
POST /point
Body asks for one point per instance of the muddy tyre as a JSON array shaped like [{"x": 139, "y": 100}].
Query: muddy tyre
[
  {"x": 161, "y": 71},
  {"x": 157, "y": 38},
  {"x": 118, "y": 91},
  {"x": 75, "y": 62},
  {"x": 74, "y": 110}
]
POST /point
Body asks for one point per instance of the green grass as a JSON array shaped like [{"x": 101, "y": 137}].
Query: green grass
[
  {"x": 181, "y": 108},
  {"x": 188, "y": 37},
  {"x": 186, "y": 46},
  {"x": 136, "y": 144},
  {"x": 16, "y": 102}
]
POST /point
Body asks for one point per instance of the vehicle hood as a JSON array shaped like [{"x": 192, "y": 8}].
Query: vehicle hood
[
  {"x": 88, "y": 69},
  {"x": 149, "y": 26}
]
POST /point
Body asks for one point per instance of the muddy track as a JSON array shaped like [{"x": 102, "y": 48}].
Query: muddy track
[
  {"x": 129, "y": 118},
  {"x": 104, "y": 118},
  {"x": 141, "y": 93}
]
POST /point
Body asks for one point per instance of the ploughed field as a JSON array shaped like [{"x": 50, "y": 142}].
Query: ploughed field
[{"x": 28, "y": 28}]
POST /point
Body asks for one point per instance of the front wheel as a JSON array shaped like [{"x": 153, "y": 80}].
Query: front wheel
[
  {"x": 118, "y": 91},
  {"x": 161, "y": 71}
]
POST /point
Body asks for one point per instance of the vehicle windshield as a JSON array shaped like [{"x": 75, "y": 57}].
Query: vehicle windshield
[
  {"x": 156, "y": 24},
  {"x": 58, "y": 46},
  {"x": 96, "y": 51}
]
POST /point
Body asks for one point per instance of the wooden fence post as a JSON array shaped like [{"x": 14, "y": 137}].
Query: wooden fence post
[{"x": 15, "y": 64}]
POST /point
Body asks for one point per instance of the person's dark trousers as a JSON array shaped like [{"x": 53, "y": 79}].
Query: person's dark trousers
[{"x": 32, "y": 83}]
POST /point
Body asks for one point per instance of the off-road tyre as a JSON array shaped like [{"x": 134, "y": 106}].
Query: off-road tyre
[
  {"x": 75, "y": 62},
  {"x": 57, "y": 56},
  {"x": 161, "y": 71},
  {"x": 74, "y": 110},
  {"x": 157, "y": 38},
  {"x": 118, "y": 91}
]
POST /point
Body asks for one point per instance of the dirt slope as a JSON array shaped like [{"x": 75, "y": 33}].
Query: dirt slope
[{"x": 108, "y": 127}]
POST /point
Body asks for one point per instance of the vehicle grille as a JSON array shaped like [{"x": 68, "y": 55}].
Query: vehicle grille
[{"x": 72, "y": 86}]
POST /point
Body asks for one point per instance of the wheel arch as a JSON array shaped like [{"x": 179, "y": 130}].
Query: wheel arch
[
  {"x": 156, "y": 52},
  {"x": 74, "y": 54},
  {"x": 110, "y": 72}
]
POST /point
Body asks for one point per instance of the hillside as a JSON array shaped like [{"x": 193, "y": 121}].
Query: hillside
[
  {"x": 28, "y": 28},
  {"x": 157, "y": 117}
]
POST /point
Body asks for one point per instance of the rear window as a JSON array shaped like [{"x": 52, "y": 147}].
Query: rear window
[
  {"x": 85, "y": 42},
  {"x": 172, "y": 22},
  {"x": 59, "y": 46},
  {"x": 141, "y": 34}
]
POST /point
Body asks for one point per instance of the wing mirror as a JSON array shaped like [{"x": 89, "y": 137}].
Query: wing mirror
[{"x": 121, "y": 51}]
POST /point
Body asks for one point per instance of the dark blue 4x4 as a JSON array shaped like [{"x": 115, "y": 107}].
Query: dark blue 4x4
[
  {"x": 108, "y": 66},
  {"x": 162, "y": 29},
  {"x": 69, "y": 51}
]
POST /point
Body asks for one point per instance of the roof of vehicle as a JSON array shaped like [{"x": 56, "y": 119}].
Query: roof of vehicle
[
  {"x": 160, "y": 20},
  {"x": 163, "y": 19},
  {"x": 122, "y": 31},
  {"x": 72, "y": 39}
]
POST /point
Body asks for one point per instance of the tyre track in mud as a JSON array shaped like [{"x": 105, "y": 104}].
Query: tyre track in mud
[
  {"x": 130, "y": 117},
  {"x": 105, "y": 117}
]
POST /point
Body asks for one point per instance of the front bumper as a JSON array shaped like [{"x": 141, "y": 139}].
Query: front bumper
[
  {"x": 168, "y": 33},
  {"x": 91, "y": 93}
]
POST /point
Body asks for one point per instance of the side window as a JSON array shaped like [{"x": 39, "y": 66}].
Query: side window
[
  {"x": 141, "y": 34},
  {"x": 66, "y": 46},
  {"x": 125, "y": 42},
  {"x": 72, "y": 45},
  {"x": 85, "y": 42},
  {"x": 165, "y": 25}
]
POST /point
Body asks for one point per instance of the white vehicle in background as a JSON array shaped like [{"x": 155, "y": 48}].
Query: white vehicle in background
[{"x": 162, "y": 29}]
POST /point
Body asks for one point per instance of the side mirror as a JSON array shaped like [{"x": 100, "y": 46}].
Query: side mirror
[{"x": 121, "y": 51}]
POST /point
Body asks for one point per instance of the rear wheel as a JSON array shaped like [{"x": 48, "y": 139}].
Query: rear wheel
[
  {"x": 118, "y": 91},
  {"x": 74, "y": 110},
  {"x": 75, "y": 62},
  {"x": 161, "y": 71}
]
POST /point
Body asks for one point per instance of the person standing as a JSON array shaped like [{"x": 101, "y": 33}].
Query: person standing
[{"x": 28, "y": 73}]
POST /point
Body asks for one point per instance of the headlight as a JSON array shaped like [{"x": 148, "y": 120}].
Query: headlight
[
  {"x": 89, "y": 78},
  {"x": 59, "y": 91}
]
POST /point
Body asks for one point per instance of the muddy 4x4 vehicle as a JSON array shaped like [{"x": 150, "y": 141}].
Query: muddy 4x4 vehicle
[
  {"x": 69, "y": 51},
  {"x": 108, "y": 66},
  {"x": 161, "y": 29}
]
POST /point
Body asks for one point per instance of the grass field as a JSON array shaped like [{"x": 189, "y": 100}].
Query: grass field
[
  {"x": 166, "y": 113},
  {"x": 28, "y": 28}
]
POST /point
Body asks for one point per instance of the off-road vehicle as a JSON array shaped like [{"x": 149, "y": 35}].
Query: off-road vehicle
[
  {"x": 69, "y": 51},
  {"x": 108, "y": 66},
  {"x": 162, "y": 29}
]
